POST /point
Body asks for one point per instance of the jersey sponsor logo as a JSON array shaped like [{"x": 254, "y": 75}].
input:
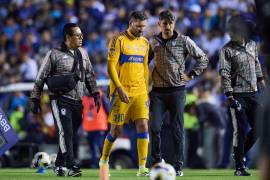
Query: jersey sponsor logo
[{"x": 131, "y": 59}]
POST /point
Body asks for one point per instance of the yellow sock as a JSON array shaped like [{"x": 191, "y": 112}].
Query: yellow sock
[
  {"x": 107, "y": 147},
  {"x": 142, "y": 147}
]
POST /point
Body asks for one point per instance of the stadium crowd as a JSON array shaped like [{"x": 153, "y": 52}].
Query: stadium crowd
[{"x": 29, "y": 28}]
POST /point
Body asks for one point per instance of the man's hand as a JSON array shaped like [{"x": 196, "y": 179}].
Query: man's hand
[
  {"x": 123, "y": 95},
  {"x": 35, "y": 106},
  {"x": 233, "y": 103},
  {"x": 97, "y": 101},
  {"x": 185, "y": 77},
  {"x": 262, "y": 84}
]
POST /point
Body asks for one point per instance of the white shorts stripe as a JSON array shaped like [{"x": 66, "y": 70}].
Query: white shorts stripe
[
  {"x": 55, "y": 112},
  {"x": 235, "y": 127}
]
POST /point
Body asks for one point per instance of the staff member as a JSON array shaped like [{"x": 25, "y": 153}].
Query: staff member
[
  {"x": 240, "y": 71},
  {"x": 170, "y": 50},
  {"x": 66, "y": 106}
]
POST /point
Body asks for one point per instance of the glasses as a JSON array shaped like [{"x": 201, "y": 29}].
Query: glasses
[{"x": 78, "y": 35}]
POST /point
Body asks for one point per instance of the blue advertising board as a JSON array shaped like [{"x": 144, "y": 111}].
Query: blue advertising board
[{"x": 8, "y": 136}]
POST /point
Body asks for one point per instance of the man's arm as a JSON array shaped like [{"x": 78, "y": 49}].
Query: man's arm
[
  {"x": 113, "y": 61},
  {"x": 258, "y": 70},
  {"x": 90, "y": 77},
  {"x": 146, "y": 69},
  {"x": 225, "y": 73},
  {"x": 43, "y": 73},
  {"x": 150, "y": 54},
  {"x": 199, "y": 55}
]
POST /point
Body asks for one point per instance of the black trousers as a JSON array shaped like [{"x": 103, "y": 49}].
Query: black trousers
[
  {"x": 243, "y": 140},
  {"x": 67, "y": 115},
  {"x": 174, "y": 103}
]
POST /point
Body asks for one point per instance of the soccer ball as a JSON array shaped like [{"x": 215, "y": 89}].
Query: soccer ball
[
  {"x": 41, "y": 159},
  {"x": 162, "y": 171}
]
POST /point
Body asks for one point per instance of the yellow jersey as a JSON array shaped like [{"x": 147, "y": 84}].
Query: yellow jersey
[{"x": 128, "y": 63}]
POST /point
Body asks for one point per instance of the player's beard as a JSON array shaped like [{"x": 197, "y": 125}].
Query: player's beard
[{"x": 138, "y": 33}]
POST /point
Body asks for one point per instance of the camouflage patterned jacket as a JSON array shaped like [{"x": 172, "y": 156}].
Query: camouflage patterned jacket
[
  {"x": 170, "y": 57},
  {"x": 239, "y": 68},
  {"x": 60, "y": 61}
]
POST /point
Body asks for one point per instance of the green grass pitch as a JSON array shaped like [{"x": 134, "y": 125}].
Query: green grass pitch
[{"x": 88, "y": 174}]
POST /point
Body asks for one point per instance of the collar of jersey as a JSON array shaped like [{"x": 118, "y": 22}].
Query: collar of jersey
[{"x": 130, "y": 35}]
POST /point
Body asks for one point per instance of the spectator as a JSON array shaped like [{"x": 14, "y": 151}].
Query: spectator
[{"x": 28, "y": 67}]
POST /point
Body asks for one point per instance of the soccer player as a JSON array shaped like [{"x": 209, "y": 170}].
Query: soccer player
[
  {"x": 240, "y": 72},
  {"x": 128, "y": 71},
  {"x": 170, "y": 50}
]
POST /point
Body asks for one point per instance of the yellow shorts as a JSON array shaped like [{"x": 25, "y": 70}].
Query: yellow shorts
[{"x": 121, "y": 113}]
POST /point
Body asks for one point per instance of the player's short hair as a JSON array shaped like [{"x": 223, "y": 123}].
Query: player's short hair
[
  {"x": 166, "y": 15},
  {"x": 137, "y": 15},
  {"x": 67, "y": 30}
]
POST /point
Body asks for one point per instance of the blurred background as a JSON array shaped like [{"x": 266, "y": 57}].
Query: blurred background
[{"x": 29, "y": 28}]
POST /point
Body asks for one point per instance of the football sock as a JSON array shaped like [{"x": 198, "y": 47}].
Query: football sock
[
  {"x": 109, "y": 140},
  {"x": 142, "y": 147}
]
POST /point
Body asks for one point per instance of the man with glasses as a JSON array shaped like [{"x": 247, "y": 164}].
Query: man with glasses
[{"x": 66, "y": 105}]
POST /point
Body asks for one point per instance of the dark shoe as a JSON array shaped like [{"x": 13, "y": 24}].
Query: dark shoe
[
  {"x": 74, "y": 171},
  {"x": 241, "y": 172},
  {"x": 179, "y": 173},
  {"x": 59, "y": 171}
]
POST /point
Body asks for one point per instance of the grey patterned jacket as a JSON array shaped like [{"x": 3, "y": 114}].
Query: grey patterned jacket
[
  {"x": 239, "y": 68},
  {"x": 170, "y": 65},
  {"x": 60, "y": 61}
]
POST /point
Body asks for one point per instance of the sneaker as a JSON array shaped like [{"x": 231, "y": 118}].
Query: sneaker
[
  {"x": 143, "y": 172},
  {"x": 179, "y": 173},
  {"x": 241, "y": 172},
  {"x": 74, "y": 171},
  {"x": 104, "y": 166},
  {"x": 59, "y": 171}
]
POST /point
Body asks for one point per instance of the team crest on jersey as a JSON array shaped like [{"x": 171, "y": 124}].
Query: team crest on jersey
[{"x": 63, "y": 111}]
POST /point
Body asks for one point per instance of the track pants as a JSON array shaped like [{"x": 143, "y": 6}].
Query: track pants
[
  {"x": 67, "y": 115},
  {"x": 242, "y": 141},
  {"x": 174, "y": 103}
]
